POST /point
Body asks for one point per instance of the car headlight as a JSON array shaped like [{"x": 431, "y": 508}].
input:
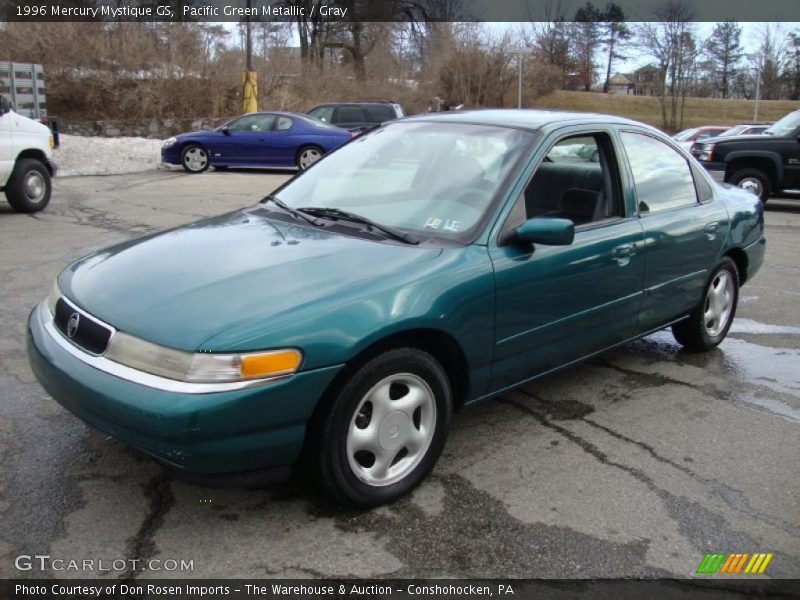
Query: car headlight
[
  {"x": 169, "y": 142},
  {"x": 706, "y": 152},
  {"x": 52, "y": 297},
  {"x": 200, "y": 367}
]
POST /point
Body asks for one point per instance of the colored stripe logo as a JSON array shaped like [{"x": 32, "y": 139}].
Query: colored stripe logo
[{"x": 734, "y": 563}]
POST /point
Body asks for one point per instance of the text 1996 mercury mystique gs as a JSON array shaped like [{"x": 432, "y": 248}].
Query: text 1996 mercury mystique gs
[{"x": 428, "y": 264}]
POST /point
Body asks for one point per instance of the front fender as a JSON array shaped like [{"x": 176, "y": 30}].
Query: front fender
[{"x": 773, "y": 157}]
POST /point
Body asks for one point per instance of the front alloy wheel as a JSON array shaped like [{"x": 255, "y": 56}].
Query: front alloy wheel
[
  {"x": 391, "y": 429},
  {"x": 385, "y": 428},
  {"x": 194, "y": 158}
]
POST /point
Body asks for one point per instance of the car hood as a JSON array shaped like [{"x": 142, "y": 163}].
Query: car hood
[
  {"x": 182, "y": 287},
  {"x": 26, "y": 125}
]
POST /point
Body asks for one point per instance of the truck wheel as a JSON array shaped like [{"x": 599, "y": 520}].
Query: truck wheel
[
  {"x": 385, "y": 428},
  {"x": 709, "y": 323},
  {"x": 753, "y": 181},
  {"x": 29, "y": 187}
]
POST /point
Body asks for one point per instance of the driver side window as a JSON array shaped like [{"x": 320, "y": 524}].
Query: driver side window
[
  {"x": 577, "y": 180},
  {"x": 252, "y": 123}
]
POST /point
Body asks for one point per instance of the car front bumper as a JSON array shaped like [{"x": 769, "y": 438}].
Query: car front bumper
[
  {"x": 209, "y": 434},
  {"x": 171, "y": 155}
]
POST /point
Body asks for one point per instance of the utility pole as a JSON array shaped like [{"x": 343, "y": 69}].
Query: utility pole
[
  {"x": 758, "y": 94},
  {"x": 519, "y": 52}
]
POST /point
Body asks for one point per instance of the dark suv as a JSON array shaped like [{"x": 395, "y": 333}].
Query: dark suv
[
  {"x": 358, "y": 116},
  {"x": 762, "y": 164}
]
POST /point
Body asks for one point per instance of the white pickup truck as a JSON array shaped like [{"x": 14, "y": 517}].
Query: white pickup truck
[{"x": 26, "y": 160}]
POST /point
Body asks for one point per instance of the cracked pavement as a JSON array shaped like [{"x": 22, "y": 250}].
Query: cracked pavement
[{"x": 633, "y": 464}]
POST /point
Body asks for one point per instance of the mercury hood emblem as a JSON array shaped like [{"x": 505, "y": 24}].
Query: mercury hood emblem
[{"x": 72, "y": 324}]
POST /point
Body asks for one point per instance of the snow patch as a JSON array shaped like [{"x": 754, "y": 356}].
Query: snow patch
[{"x": 78, "y": 155}]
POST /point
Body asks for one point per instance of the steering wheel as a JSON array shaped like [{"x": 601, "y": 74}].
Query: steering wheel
[{"x": 472, "y": 196}]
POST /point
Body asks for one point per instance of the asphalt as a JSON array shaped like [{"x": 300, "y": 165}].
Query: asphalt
[{"x": 633, "y": 464}]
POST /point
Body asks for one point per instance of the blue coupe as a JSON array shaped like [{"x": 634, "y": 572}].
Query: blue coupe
[{"x": 266, "y": 139}]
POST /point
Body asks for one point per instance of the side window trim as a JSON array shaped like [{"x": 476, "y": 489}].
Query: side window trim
[{"x": 645, "y": 133}]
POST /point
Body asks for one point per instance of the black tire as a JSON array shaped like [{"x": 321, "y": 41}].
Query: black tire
[
  {"x": 330, "y": 449},
  {"x": 189, "y": 153},
  {"x": 299, "y": 159},
  {"x": 694, "y": 333},
  {"x": 29, "y": 187},
  {"x": 743, "y": 175}
]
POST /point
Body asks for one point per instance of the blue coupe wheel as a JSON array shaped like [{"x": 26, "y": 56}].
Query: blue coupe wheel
[{"x": 194, "y": 158}]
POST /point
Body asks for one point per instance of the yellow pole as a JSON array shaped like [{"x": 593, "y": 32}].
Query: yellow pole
[{"x": 249, "y": 92}]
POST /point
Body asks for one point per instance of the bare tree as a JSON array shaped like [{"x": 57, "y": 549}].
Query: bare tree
[
  {"x": 671, "y": 42},
  {"x": 770, "y": 59}
]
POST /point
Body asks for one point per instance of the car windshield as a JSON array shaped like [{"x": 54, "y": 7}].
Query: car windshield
[
  {"x": 784, "y": 126},
  {"x": 685, "y": 134},
  {"x": 435, "y": 180},
  {"x": 735, "y": 130}
]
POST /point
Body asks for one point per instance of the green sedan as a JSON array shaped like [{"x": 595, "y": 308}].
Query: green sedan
[{"x": 427, "y": 265}]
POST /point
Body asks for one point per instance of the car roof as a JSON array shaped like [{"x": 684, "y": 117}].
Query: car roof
[{"x": 531, "y": 119}]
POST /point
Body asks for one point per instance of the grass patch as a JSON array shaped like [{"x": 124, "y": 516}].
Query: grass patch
[{"x": 698, "y": 111}]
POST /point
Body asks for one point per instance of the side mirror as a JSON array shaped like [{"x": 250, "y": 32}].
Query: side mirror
[
  {"x": 5, "y": 105},
  {"x": 225, "y": 130},
  {"x": 547, "y": 231}
]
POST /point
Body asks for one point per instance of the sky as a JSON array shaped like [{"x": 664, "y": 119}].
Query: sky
[{"x": 749, "y": 40}]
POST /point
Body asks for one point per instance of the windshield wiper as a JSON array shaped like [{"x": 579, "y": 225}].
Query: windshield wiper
[
  {"x": 338, "y": 213},
  {"x": 300, "y": 214}
]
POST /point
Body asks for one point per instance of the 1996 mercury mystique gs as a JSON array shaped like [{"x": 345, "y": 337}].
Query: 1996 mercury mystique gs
[{"x": 428, "y": 264}]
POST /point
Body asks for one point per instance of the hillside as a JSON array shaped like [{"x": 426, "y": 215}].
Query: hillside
[{"x": 698, "y": 111}]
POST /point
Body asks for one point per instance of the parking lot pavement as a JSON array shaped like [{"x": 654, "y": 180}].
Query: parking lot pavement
[{"x": 633, "y": 464}]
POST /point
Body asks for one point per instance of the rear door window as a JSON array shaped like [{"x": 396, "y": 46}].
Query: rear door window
[
  {"x": 662, "y": 177},
  {"x": 349, "y": 114}
]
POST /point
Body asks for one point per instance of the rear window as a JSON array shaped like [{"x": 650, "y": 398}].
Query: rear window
[{"x": 379, "y": 113}]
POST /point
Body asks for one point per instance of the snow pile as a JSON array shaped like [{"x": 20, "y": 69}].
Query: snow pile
[{"x": 79, "y": 155}]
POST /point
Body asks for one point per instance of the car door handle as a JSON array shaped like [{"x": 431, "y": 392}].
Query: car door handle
[
  {"x": 711, "y": 230},
  {"x": 622, "y": 253}
]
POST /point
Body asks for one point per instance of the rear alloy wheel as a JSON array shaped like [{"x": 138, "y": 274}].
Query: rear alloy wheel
[
  {"x": 29, "y": 186},
  {"x": 194, "y": 158},
  {"x": 754, "y": 181},
  {"x": 308, "y": 156},
  {"x": 385, "y": 429},
  {"x": 709, "y": 323}
]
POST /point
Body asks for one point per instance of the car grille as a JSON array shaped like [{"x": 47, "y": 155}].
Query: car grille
[{"x": 80, "y": 328}]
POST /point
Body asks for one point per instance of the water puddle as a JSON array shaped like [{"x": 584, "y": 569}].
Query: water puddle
[
  {"x": 776, "y": 407},
  {"x": 755, "y": 327}
]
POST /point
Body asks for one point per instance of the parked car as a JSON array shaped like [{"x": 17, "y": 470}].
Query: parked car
[
  {"x": 687, "y": 137},
  {"x": 358, "y": 116},
  {"x": 734, "y": 131},
  {"x": 762, "y": 164},
  {"x": 427, "y": 265},
  {"x": 264, "y": 139},
  {"x": 745, "y": 129},
  {"x": 26, "y": 160}
]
